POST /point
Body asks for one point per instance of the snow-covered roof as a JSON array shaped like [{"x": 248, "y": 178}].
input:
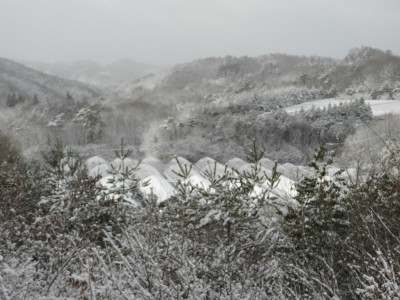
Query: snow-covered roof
[
  {"x": 100, "y": 170},
  {"x": 154, "y": 162},
  {"x": 235, "y": 163},
  {"x": 182, "y": 161},
  {"x": 127, "y": 197},
  {"x": 128, "y": 162},
  {"x": 306, "y": 171},
  {"x": 158, "y": 186},
  {"x": 205, "y": 162},
  {"x": 219, "y": 169},
  {"x": 94, "y": 161},
  {"x": 279, "y": 194},
  {"x": 349, "y": 174},
  {"x": 170, "y": 171},
  {"x": 249, "y": 169},
  {"x": 105, "y": 181},
  {"x": 291, "y": 171},
  {"x": 258, "y": 191},
  {"x": 199, "y": 181},
  {"x": 162, "y": 183},
  {"x": 174, "y": 166},
  {"x": 285, "y": 184},
  {"x": 267, "y": 163},
  {"x": 146, "y": 170}
]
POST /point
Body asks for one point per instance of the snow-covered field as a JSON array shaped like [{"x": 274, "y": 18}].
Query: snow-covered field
[{"x": 379, "y": 107}]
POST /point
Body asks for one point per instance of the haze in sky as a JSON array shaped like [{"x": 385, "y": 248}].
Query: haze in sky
[{"x": 166, "y": 32}]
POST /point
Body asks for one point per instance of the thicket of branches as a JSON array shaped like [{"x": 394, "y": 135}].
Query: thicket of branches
[{"x": 64, "y": 235}]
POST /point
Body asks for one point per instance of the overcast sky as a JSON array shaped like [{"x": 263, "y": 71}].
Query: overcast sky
[{"x": 165, "y": 32}]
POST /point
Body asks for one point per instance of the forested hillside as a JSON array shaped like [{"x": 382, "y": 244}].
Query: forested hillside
[
  {"x": 198, "y": 108},
  {"x": 25, "y": 84},
  {"x": 365, "y": 71},
  {"x": 285, "y": 137}
]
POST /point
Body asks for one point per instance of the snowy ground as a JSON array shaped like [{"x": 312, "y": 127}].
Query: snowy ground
[{"x": 379, "y": 107}]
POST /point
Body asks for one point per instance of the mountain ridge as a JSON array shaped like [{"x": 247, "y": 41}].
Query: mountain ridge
[
  {"x": 364, "y": 71},
  {"x": 20, "y": 80},
  {"x": 104, "y": 76}
]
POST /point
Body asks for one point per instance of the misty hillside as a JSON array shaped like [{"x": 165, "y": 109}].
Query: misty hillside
[
  {"x": 25, "y": 82},
  {"x": 90, "y": 72},
  {"x": 365, "y": 71},
  {"x": 229, "y": 74},
  {"x": 223, "y": 102}
]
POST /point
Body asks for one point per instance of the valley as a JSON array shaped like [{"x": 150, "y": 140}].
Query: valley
[{"x": 199, "y": 150}]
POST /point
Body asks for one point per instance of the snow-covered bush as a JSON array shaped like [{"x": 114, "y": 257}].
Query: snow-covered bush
[
  {"x": 233, "y": 237},
  {"x": 206, "y": 243},
  {"x": 59, "y": 240}
]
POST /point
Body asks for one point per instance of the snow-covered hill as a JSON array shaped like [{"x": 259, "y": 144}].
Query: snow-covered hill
[
  {"x": 20, "y": 80},
  {"x": 365, "y": 71},
  {"x": 220, "y": 75},
  {"x": 106, "y": 76}
]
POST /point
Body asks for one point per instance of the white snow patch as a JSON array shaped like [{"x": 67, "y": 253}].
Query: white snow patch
[{"x": 378, "y": 107}]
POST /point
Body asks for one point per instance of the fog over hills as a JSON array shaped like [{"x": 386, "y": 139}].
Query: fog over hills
[
  {"x": 93, "y": 73},
  {"x": 220, "y": 101},
  {"x": 26, "y": 82},
  {"x": 365, "y": 71}
]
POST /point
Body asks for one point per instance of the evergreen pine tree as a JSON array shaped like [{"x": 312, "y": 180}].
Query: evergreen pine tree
[{"x": 318, "y": 224}]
